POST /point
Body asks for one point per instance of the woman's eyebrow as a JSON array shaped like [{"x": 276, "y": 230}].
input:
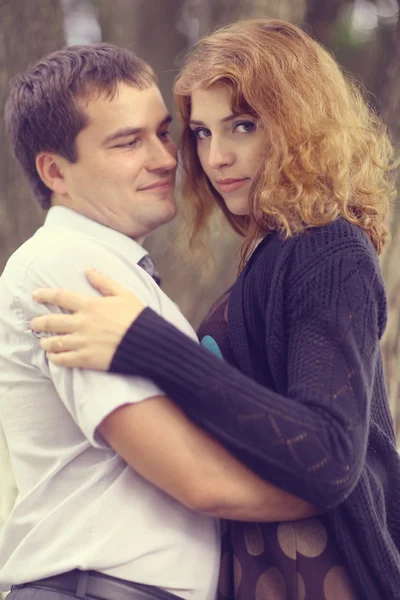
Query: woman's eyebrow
[{"x": 224, "y": 120}]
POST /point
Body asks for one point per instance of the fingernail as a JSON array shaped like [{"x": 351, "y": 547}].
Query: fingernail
[{"x": 35, "y": 295}]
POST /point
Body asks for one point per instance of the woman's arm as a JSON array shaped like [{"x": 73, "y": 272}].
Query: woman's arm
[{"x": 311, "y": 442}]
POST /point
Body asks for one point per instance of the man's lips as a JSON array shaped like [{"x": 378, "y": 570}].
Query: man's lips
[
  {"x": 231, "y": 185},
  {"x": 161, "y": 185}
]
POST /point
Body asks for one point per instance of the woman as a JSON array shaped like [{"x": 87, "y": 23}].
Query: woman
[{"x": 276, "y": 137}]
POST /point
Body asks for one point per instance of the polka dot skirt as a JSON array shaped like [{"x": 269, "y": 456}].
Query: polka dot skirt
[{"x": 282, "y": 561}]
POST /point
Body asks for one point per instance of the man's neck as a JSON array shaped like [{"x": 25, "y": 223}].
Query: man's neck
[{"x": 67, "y": 203}]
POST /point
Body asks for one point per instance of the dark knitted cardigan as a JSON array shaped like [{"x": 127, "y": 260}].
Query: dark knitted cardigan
[{"x": 308, "y": 411}]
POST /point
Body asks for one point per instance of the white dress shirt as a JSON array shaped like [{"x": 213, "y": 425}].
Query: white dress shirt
[
  {"x": 8, "y": 491},
  {"x": 79, "y": 504}
]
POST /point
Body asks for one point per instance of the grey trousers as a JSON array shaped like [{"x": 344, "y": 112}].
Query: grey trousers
[
  {"x": 33, "y": 593},
  {"x": 38, "y": 594}
]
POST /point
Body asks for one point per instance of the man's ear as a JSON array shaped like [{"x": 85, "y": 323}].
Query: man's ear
[{"x": 49, "y": 168}]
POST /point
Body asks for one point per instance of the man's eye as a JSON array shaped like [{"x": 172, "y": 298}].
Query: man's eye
[
  {"x": 130, "y": 144},
  {"x": 164, "y": 134}
]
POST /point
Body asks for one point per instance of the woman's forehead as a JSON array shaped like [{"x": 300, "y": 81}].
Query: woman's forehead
[{"x": 218, "y": 97}]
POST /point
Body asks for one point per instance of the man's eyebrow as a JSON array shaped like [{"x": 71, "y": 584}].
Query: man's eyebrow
[
  {"x": 129, "y": 131},
  {"x": 121, "y": 133},
  {"x": 166, "y": 121}
]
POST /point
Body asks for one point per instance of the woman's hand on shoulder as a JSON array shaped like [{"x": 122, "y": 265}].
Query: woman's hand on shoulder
[{"x": 89, "y": 336}]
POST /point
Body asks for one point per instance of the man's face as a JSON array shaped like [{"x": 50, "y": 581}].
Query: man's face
[{"x": 125, "y": 173}]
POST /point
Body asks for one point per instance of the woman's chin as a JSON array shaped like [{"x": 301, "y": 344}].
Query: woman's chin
[{"x": 238, "y": 207}]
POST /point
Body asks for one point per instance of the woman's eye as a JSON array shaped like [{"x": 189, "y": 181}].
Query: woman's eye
[
  {"x": 202, "y": 133},
  {"x": 245, "y": 127}
]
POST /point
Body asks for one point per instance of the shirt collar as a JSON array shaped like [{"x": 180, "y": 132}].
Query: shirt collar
[{"x": 61, "y": 216}]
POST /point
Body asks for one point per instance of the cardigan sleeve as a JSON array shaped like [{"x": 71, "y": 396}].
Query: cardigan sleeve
[{"x": 312, "y": 441}]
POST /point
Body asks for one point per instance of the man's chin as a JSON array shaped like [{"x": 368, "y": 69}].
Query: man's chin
[
  {"x": 164, "y": 212},
  {"x": 171, "y": 208}
]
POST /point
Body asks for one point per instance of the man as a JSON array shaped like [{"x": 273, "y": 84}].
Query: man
[{"x": 116, "y": 486}]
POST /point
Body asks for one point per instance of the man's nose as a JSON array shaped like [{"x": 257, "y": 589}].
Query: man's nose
[{"x": 162, "y": 156}]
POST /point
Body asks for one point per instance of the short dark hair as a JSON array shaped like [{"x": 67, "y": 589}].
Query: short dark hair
[{"x": 41, "y": 112}]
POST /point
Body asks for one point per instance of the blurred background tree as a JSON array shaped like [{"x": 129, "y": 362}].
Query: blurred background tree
[
  {"x": 24, "y": 36},
  {"x": 363, "y": 34}
]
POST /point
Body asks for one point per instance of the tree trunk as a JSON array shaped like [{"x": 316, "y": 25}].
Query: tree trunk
[
  {"x": 25, "y": 36},
  {"x": 321, "y": 18},
  {"x": 229, "y": 11},
  {"x": 149, "y": 28},
  {"x": 389, "y": 103}
]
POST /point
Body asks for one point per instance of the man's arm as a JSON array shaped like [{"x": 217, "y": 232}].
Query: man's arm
[{"x": 157, "y": 440}]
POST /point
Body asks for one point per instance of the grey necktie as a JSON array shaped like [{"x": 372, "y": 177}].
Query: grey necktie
[{"x": 148, "y": 265}]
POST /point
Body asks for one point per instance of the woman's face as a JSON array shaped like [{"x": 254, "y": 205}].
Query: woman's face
[{"x": 230, "y": 147}]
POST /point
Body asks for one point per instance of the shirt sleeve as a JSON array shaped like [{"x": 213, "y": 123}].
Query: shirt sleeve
[
  {"x": 88, "y": 395},
  {"x": 7, "y": 481},
  {"x": 312, "y": 440}
]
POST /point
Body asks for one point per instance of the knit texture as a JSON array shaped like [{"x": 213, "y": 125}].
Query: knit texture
[{"x": 308, "y": 410}]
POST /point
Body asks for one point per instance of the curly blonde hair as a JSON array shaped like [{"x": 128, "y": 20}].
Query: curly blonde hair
[{"x": 327, "y": 153}]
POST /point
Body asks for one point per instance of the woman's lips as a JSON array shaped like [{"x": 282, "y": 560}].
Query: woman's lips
[{"x": 231, "y": 185}]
